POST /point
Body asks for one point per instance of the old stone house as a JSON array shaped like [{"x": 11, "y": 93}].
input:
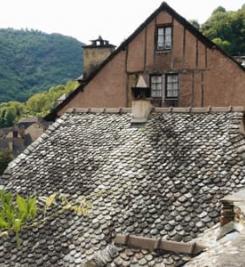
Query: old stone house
[
  {"x": 180, "y": 66},
  {"x": 151, "y": 180},
  {"x": 15, "y": 139}
]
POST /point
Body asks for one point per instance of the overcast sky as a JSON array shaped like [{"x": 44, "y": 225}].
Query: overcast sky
[{"x": 86, "y": 19}]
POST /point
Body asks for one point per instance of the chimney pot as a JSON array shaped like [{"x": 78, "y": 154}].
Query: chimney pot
[{"x": 95, "y": 54}]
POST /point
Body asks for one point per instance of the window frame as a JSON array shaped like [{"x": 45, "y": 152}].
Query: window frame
[
  {"x": 166, "y": 86},
  {"x": 162, "y": 83},
  {"x": 164, "y": 27}
]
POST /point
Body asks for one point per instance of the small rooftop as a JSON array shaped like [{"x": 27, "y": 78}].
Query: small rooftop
[{"x": 29, "y": 120}]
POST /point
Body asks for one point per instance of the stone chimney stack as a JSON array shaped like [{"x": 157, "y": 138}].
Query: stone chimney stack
[
  {"x": 227, "y": 213},
  {"x": 141, "y": 104},
  {"x": 95, "y": 53}
]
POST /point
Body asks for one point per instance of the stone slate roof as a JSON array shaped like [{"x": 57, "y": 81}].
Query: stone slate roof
[
  {"x": 229, "y": 250},
  {"x": 164, "y": 179},
  {"x": 226, "y": 252}
]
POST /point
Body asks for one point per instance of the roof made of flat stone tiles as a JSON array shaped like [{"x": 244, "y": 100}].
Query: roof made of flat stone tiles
[
  {"x": 226, "y": 252},
  {"x": 164, "y": 179}
]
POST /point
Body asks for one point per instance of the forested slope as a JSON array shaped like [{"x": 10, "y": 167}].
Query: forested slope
[
  {"x": 38, "y": 105},
  {"x": 32, "y": 61}
]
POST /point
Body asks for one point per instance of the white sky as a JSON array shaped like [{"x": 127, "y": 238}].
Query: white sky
[{"x": 86, "y": 19}]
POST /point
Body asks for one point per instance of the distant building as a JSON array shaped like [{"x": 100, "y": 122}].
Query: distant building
[{"x": 15, "y": 139}]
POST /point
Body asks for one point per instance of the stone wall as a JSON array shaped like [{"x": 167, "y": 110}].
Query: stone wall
[{"x": 94, "y": 56}]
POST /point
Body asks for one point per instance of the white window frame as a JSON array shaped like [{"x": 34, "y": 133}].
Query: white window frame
[
  {"x": 171, "y": 85},
  {"x": 156, "y": 83},
  {"x": 164, "y": 37}
]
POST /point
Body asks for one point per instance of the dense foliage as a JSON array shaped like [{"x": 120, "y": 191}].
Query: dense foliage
[
  {"x": 32, "y": 61},
  {"x": 25, "y": 212},
  {"x": 227, "y": 29},
  {"x": 37, "y": 105},
  {"x": 16, "y": 212}
]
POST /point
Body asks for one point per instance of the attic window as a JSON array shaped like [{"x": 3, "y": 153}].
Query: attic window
[{"x": 164, "y": 38}]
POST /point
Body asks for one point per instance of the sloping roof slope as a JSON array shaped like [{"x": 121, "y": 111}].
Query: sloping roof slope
[
  {"x": 227, "y": 252},
  {"x": 226, "y": 244},
  {"x": 164, "y": 179}
]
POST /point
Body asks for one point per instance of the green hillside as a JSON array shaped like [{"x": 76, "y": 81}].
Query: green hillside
[
  {"x": 40, "y": 104},
  {"x": 32, "y": 61}
]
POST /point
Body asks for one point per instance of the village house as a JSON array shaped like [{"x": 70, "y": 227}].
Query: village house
[
  {"x": 141, "y": 185},
  {"x": 15, "y": 139},
  {"x": 180, "y": 66}
]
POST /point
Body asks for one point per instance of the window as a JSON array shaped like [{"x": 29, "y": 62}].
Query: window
[
  {"x": 156, "y": 86},
  {"x": 164, "y": 38},
  {"x": 164, "y": 85},
  {"x": 172, "y": 85}
]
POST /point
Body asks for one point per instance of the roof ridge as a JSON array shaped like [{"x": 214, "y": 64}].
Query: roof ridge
[{"x": 208, "y": 109}]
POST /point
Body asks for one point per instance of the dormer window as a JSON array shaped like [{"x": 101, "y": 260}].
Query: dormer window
[{"x": 164, "y": 38}]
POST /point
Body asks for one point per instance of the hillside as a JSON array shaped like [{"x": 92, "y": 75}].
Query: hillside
[
  {"x": 32, "y": 61},
  {"x": 38, "y": 105}
]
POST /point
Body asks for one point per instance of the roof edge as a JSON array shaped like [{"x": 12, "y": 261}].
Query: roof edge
[
  {"x": 208, "y": 109},
  {"x": 198, "y": 34}
]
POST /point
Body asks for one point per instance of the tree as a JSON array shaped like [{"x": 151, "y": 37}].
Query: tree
[
  {"x": 225, "y": 45},
  {"x": 195, "y": 23},
  {"x": 219, "y": 9},
  {"x": 33, "y": 61},
  {"x": 227, "y": 29},
  {"x": 38, "y": 105},
  {"x": 9, "y": 117},
  {"x": 10, "y": 112}
]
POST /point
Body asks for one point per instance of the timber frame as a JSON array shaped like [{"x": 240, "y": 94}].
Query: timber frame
[{"x": 124, "y": 45}]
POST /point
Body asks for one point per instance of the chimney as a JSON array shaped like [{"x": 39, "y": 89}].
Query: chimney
[
  {"x": 95, "y": 53},
  {"x": 227, "y": 213},
  {"x": 141, "y": 104}
]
